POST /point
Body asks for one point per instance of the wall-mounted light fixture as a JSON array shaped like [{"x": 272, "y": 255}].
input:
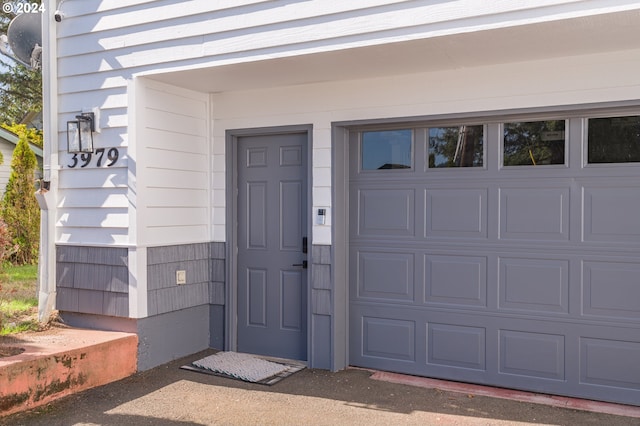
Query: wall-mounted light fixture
[{"x": 80, "y": 133}]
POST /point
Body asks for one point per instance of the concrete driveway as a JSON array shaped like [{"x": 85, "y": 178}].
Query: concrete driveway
[{"x": 168, "y": 395}]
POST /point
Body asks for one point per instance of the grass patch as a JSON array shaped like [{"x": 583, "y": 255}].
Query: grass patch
[
  {"x": 13, "y": 328},
  {"x": 23, "y": 273},
  {"x": 18, "y": 301},
  {"x": 18, "y": 306}
]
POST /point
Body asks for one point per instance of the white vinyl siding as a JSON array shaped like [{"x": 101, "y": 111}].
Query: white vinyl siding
[
  {"x": 103, "y": 45},
  {"x": 214, "y": 28},
  {"x": 172, "y": 165},
  {"x": 503, "y": 87},
  {"x": 92, "y": 198}
]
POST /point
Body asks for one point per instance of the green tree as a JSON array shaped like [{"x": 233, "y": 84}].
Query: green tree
[
  {"x": 20, "y": 86},
  {"x": 534, "y": 143},
  {"x": 456, "y": 146},
  {"x": 33, "y": 136},
  {"x": 20, "y": 91},
  {"x": 19, "y": 207}
]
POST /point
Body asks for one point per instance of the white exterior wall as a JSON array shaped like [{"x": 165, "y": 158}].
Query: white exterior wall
[
  {"x": 102, "y": 45},
  {"x": 169, "y": 167},
  {"x": 574, "y": 81}
]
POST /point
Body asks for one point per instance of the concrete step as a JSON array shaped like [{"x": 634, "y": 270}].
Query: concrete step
[{"x": 62, "y": 361}]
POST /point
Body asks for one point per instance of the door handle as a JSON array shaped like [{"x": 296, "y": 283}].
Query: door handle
[{"x": 304, "y": 264}]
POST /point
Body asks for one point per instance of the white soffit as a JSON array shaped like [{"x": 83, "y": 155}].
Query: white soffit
[{"x": 571, "y": 37}]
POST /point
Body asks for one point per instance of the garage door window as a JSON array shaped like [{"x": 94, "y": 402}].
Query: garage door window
[
  {"x": 534, "y": 143},
  {"x": 460, "y": 146},
  {"x": 387, "y": 149},
  {"x": 614, "y": 140}
]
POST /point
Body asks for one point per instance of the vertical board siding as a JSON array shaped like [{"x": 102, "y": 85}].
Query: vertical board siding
[
  {"x": 92, "y": 280},
  {"x": 164, "y": 294}
]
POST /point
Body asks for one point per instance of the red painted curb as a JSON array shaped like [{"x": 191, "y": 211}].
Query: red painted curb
[
  {"x": 70, "y": 361},
  {"x": 510, "y": 394}
]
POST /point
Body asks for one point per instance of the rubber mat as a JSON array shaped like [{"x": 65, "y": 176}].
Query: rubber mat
[{"x": 246, "y": 367}]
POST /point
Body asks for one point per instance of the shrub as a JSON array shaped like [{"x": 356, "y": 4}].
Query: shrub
[
  {"x": 19, "y": 208},
  {"x": 7, "y": 247}
]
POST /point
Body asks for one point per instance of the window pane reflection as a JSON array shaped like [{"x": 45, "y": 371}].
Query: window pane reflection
[
  {"x": 387, "y": 149},
  {"x": 614, "y": 140},
  {"x": 534, "y": 143},
  {"x": 456, "y": 146}
]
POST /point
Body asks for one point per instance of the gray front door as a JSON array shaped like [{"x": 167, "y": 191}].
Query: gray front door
[{"x": 272, "y": 211}]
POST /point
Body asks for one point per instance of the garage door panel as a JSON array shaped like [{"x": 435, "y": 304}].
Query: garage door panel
[
  {"x": 541, "y": 355},
  {"x": 534, "y": 284},
  {"x": 388, "y": 212},
  {"x": 382, "y": 275},
  {"x": 385, "y": 338},
  {"x": 611, "y": 213},
  {"x": 532, "y": 354},
  {"x": 456, "y": 346},
  {"x": 456, "y": 213},
  {"x": 456, "y": 280},
  {"x": 611, "y": 289},
  {"x": 610, "y": 363},
  {"x": 534, "y": 213}
]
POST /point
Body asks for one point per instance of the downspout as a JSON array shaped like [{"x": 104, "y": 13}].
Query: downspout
[{"x": 47, "y": 194}]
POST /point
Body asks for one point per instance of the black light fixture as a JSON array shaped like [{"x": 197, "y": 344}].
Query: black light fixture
[{"x": 80, "y": 133}]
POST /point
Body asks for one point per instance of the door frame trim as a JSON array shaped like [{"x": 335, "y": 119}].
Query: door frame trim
[{"x": 231, "y": 224}]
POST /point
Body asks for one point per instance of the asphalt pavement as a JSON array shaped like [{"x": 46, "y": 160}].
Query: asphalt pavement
[{"x": 168, "y": 395}]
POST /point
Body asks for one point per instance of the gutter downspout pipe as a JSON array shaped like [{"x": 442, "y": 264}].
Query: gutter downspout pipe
[{"x": 47, "y": 194}]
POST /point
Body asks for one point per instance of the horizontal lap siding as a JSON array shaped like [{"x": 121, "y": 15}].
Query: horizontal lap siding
[
  {"x": 102, "y": 45},
  {"x": 172, "y": 165},
  {"x": 292, "y": 23},
  {"x": 92, "y": 201},
  {"x": 94, "y": 198}
]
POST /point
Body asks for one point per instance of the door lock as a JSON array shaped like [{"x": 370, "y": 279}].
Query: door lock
[{"x": 304, "y": 264}]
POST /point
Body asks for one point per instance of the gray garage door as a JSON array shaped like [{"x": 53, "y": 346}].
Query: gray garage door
[{"x": 502, "y": 252}]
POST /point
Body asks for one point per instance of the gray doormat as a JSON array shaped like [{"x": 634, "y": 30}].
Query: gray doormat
[{"x": 247, "y": 367}]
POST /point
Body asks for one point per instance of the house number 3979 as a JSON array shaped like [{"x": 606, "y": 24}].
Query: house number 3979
[{"x": 84, "y": 159}]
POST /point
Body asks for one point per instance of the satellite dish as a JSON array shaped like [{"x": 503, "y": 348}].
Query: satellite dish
[{"x": 25, "y": 39}]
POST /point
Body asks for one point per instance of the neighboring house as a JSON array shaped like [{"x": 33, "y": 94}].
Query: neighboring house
[
  {"x": 8, "y": 142},
  {"x": 446, "y": 189}
]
